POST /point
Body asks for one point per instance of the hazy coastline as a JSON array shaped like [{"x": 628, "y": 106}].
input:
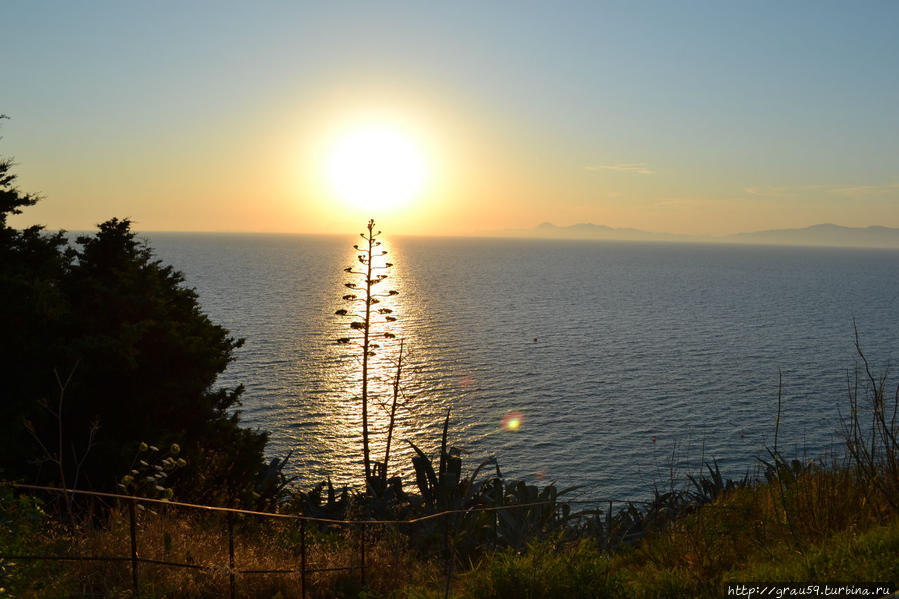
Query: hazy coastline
[{"x": 820, "y": 235}]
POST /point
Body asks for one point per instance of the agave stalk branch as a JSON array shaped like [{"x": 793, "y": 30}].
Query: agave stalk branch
[{"x": 396, "y": 392}]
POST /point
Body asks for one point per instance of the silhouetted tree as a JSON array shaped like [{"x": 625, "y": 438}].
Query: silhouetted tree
[
  {"x": 147, "y": 360},
  {"x": 32, "y": 264}
]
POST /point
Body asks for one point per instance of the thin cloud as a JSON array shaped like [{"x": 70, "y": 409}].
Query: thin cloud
[
  {"x": 862, "y": 191},
  {"x": 795, "y": 191},
  {"x": 634, "y": 167},
  {"x": 783, "y": 191},
  {"x": 668, "y": 203}
]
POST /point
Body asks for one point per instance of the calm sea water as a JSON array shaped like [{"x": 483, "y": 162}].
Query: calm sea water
[{"x": 622, "y": 359}]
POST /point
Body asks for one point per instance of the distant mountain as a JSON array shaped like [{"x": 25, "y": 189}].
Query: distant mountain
[
  {"x": 816, "y": 235},
  {"x": 825, "y": 234},
  {"x": 591, "y": 231}
]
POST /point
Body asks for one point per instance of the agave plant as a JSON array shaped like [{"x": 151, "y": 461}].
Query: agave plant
[
  {"x": 516, "y": 512},
  {"x": 541, "y": 512},
  {"x": 322, "y": 501},
  {"x": 362, "y": 300},
  {"x": 708, "y": 489},
  {"x": 444, "y": 488},
  {"x": 271, "y": 486}
]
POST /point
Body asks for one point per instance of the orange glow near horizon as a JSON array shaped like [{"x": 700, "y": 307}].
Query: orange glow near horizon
[{"x": 436, "y": 123}]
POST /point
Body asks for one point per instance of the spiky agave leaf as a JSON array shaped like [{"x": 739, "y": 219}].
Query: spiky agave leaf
[{"x": 425, "y": 477}]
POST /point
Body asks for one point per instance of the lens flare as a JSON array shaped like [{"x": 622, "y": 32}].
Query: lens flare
[
  {"x": 512, "y": 421},
  {"x": 465, "y": 382}
]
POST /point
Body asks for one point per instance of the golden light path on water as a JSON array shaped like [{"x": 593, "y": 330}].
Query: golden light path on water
[
  {"x": 422, "y": 402},
  {"x": 281, "y": 294}
]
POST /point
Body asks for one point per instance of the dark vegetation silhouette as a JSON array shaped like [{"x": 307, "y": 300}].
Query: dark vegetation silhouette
[{"x": 104, "y": 348}]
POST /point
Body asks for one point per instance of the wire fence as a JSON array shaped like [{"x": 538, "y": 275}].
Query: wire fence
[
  {"x": 304, "y": 569},
  {"x": 364, "y": 532}
]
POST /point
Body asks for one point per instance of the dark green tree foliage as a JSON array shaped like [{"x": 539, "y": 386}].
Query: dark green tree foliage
[
  {"x": 142, "y": 356},
  {"x": 31, "y": 304}
]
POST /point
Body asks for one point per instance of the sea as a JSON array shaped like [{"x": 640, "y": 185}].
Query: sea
[{"x": 616, "y": 368}]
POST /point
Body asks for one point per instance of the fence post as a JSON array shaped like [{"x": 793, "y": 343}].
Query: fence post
[
  {"x": 133, "y": 518},
  {"x": 303, "y": 556},
  {"x": 362, "y": 553},
  {"x": 231, "y": 553},
  {"x": 609, "y": 528},
  {"x": 446, "y": 556},
  {"x": 494, "y": 523}
]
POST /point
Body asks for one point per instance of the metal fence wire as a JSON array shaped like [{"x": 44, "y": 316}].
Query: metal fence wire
[{"x": 305, "y": 569}]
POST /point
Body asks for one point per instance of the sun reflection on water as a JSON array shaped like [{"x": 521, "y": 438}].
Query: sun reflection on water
[{"x": 419, "y": 410}]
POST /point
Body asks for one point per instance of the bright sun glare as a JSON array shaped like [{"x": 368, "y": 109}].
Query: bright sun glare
[{"x": 376, "y": 168}]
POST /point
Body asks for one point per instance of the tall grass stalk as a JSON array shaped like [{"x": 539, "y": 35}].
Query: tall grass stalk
[{"x": 870, "y": 431}]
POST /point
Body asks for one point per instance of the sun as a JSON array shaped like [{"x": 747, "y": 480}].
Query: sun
[{"x": 376, "y": 168}]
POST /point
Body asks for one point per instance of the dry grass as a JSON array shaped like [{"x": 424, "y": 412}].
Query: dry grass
[
  {"x": 795, "y": 512},
  {"x": 202, "y": 540},
  {"x": 795, "y": 515}
]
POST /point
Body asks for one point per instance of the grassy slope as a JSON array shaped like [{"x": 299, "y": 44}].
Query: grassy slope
[
  {"x": 584, "y": 571},
  {"x": 766, "y": 532}
]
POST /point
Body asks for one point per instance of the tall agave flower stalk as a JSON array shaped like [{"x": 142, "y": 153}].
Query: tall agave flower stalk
[{"x": 362, "y": 311}]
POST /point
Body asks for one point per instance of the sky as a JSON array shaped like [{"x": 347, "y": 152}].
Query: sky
[{"x": 704, "y": 118}]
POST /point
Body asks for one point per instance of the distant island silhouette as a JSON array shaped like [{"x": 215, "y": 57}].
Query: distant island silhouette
[{"x": 815, "y": 235}]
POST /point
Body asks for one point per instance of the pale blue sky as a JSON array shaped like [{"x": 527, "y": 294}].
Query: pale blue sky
[{"x": 695, "y": 117}]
